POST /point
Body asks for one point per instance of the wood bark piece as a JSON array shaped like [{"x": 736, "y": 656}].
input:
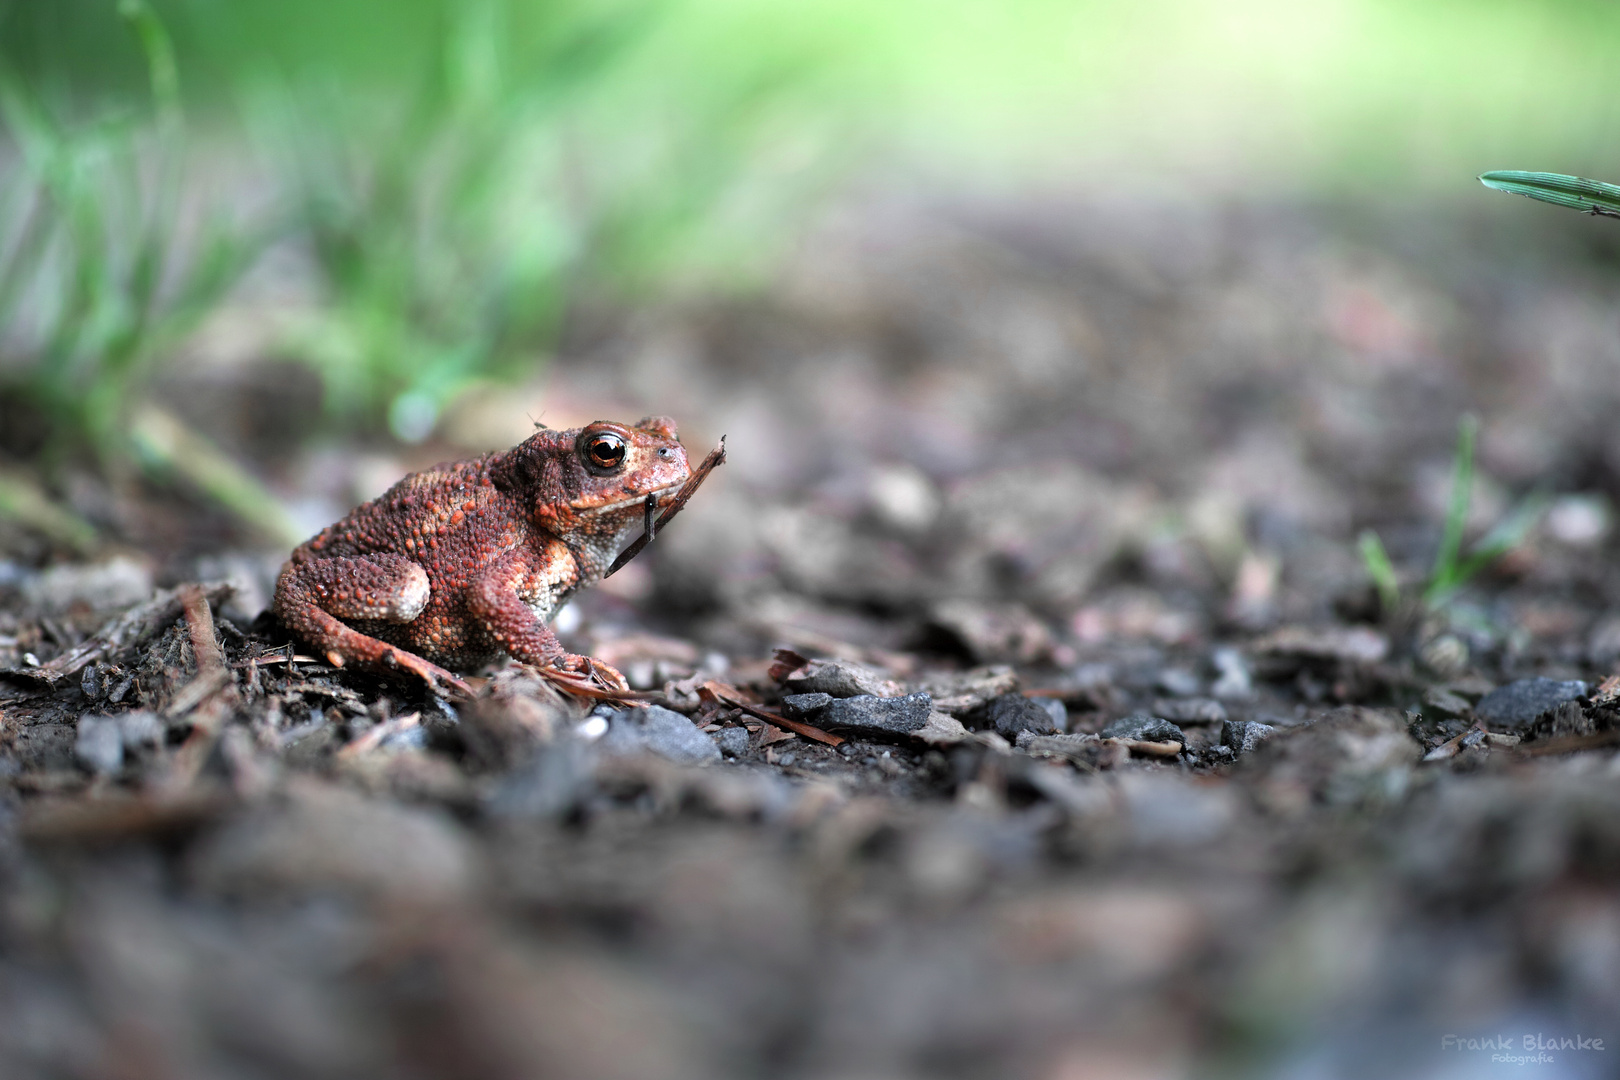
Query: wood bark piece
[{"x": 127, "y": 630}]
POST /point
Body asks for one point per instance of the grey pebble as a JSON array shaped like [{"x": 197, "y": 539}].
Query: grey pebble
[
  {"x": 1011, "y": 713},
  {"x": 1517, "y": 705},
  {"x": 1440, "y": 702},
  {"x": 1193, "y": 710},
  {"x": 660, "y": 731},
  {"x": 548, "y": 786},
  {"x": 865, "y": 712},
  {"x": 732, "y": 740},
  {"x": 1058, "y": 711},
  {"x": 99, "y": 745},
  {"x": 1179, "y": 682},
  {"x": 1144, "y": 729},
  {"x": 139, "y": 728},
  {"x": 1242, "y": 736},
  {"x": 843, "y": 679},
  {"x": 1233, "y": 681}
]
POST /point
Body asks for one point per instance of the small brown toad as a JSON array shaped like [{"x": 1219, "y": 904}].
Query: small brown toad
[{"x": 462, "y": 562}]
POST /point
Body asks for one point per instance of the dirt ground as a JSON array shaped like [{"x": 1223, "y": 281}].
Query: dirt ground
[{"x": 1183, "y": 799}]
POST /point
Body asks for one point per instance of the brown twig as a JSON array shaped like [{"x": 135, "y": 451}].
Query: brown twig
[
  {"x": 716, "y": 458},
  {"x": 709, "y": 692},
  {"x": 209, "y": 697},
  {"x": 1569, "y": 744},
  {"x": 200, "y": 625}
]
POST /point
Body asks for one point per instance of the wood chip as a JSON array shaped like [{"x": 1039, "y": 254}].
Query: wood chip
[{"x": 1149, "y": 749}]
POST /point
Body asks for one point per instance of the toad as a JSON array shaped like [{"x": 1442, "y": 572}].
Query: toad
[{"x": 465, "y": 561}]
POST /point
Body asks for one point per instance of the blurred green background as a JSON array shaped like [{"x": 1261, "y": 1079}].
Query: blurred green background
[{"x": 453, "y": 178}]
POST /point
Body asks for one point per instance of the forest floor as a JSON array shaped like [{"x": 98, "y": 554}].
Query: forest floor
[{"x": 1183, "y": 800}]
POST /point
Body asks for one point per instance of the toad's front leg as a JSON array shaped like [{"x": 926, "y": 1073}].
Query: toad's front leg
[
  {"x": 495, "y": 601},
  {"x": 313, "y": 595}
]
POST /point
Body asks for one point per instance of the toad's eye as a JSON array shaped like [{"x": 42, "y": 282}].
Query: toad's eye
[{"x": 605, "y": 451}]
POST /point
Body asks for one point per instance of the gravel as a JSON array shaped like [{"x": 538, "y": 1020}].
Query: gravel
[
  {"x": 1517, "y": 705},
  {"x": 1010, "y": 714},
  {"x": 842, "y": 679},
  {"x": 1142, "y": 728},
  {"x": 732, "y": 741},
  {"x": 900, "y": 715},
  {"x": 1242, "y": 736},
  {"x": 657, "y": 730},
  {"x": 99, "y": 745}
]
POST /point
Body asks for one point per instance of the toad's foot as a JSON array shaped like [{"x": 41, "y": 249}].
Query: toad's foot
[{"x": 437, "y": 679}]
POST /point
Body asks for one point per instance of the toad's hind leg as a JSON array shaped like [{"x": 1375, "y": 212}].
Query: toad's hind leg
[{"x": 312, "y": 596}]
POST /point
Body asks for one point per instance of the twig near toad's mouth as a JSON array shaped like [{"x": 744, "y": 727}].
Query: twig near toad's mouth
[
  {"x": 716, "y": 458},
  {"x": 611, "y": 508}
]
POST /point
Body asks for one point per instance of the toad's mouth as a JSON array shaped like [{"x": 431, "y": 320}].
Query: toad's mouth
[{"x": 658, "y": 496}]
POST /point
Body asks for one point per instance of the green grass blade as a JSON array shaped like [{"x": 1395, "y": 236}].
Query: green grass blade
[
  {"x": 159, "y": 50},
  {"x": 1588, "y": 196},
  {"x": 1508, "y": 534},
  {"x": 1380, "y": 569},
  {"x": 22, "y": 501},
  {"x": 166, "y": 444},
  {"x": 1448, "y": 558}
]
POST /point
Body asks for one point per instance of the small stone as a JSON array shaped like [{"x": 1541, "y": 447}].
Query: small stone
[
  {"x": 1058, "y": 711},
  {"x": 1517, "y": 705},
  {"x": 139, "y": 729},
  {"x": 549, "y": 785},
  {"x": 961, "y": 695},
  {"x": 1581, "y": 521},
  {"x": 1603, "y": 643},
  {"x": 1179, "y": 682},
  {"x": 660, "y": 731},
  {"x": 1195, "y": 710},
  {"x": 1242, "y": 736},
  {"x": 1348, "y": 645},
  {"x": 99, "y": 745},
  {"x": 732, "y": 741},
  {"x": 1446, "y": 655},
  {"x": 804, "y": 706},
  {"x": 1011, "y": 713},
  {"x": 1233, "y": 681},
  {"x": 1069, "y": 747},
  {"x": 1142, "y": 728},
  {"x": 899, "y": 715},
  {"x": 993, "y": 633},
  {"x": 841, "y": 679},
  {"x": 1440, "y": 702},
  {"x": 942, "y": 729}
]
